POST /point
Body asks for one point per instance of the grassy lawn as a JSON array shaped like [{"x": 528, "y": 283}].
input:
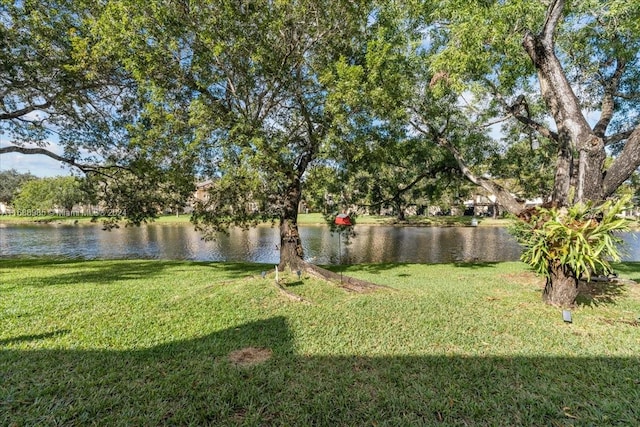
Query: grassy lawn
[
  {"x": 59, "y": 219},
  {"x": 184, "y": 343},
  {"x": 303, "y": 219}
]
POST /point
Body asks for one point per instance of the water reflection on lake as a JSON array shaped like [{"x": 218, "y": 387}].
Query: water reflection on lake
[{"x": 372, "y": 244}]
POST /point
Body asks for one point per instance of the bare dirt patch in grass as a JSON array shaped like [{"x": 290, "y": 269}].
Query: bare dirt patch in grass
[
  {"x": 526, "y": 278},
  {"x": 250, "y": 356}
]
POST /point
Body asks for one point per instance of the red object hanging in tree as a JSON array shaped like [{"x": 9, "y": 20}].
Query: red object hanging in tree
[{"x": 343, "y": 219}]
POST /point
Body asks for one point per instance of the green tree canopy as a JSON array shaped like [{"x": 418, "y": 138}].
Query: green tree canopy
[
  {"x": 566, "y": 71},
  {"x": 46, "y": 194},
  {"x": 562, "y": 74},
  {"x": 256, "y": 80},
  {"x": 57, "y": 89},
  {"x": 550, "y": 86},
  {"x": 10, "y": 183}
]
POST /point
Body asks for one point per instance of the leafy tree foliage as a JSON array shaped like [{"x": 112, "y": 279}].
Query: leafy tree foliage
[
  {"x": 49, "y": 193},
  {"x": 254, "y": 78},
  {"x": 529, "y": 171},
  {"x": 56, "y": 88},
  {"x": 561, "y": 75},
  {"x": 10, "y": 183},
  {"x": 253, "y": 94},
  {"x": 35, "y": 195},
  {"x": 323, "y": 188},
  {"x": 403, "y": 173},
  {"x": 50, "y": 86},
  {"x": 535, "y": 63},
  {"x": 540, "y": 70}
]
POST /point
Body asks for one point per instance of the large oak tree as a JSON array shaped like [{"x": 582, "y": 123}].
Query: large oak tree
[
  {"x": 258, "y": 77},
  {"x": 566, "y": 72}
]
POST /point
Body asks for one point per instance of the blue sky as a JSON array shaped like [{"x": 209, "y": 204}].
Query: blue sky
[
  {"x": 38, "y": 165},
  {"x": 43, "y": 166}
]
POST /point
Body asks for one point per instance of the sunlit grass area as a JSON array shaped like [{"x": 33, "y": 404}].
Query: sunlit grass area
[
  {"x": 184, "y": 343},
  {"x": 444, "y": 220},
  {"x": 303, "y": 219}
]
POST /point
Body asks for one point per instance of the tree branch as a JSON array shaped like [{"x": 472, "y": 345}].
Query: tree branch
[
  {"x": 44, "y": 152},
  {"x": 401, "y": 191},
  {"x": 84, "y": 167},
  {"x": 19, "y": 113},
  {"x": 538, "y": 127},
  {"x": 526, "y": 120},
  {"x": 554, "y": 85},
  {"x": 506, "y": 199},
  {"x": 624, "y": 165},
  {"x": 608, "y": 103},
  {"x": 617, "y": 137},
  {"x": 554, "y": 14},
  {"x": 627, "y": 96}
]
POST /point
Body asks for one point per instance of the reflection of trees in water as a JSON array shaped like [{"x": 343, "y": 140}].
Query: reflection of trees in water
[
  {"x": 372, "y": 244},
  {"x": 432, "y": 245}
]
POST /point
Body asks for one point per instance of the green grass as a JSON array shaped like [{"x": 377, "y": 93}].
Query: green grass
[
  {"x": 148, "y": 343},
  {"x": 48, "y": 219},
  {"x": 317, "y": 218},
  {"x": 303, "y": 219}
]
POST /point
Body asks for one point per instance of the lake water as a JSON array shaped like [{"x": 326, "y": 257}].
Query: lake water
[{"x": 372, "y": 244}]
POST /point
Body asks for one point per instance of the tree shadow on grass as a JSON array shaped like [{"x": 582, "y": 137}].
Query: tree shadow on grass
[
  {"x": 234, "y": 269},
  {"x": 33, "y": 337},
  {"x": 88, "y": 272},
  {"x": 629, "y": 269},
  {"x": 380, "y": 268},
  {"x": 21, "y": 261},
  {"x": 193, "y": 382},
  {"x": 601, "y": 292},
  {"x": 475, "y": 265},
  {"x": 98, "y": 272},
  {"x": 376, "y": 268},
  {"x": 594, "y": 294}
]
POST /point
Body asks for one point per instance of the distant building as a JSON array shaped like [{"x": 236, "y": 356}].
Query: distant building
[
  {"x": 5, "y": 209},
  {"x": 202, "y": 190},
  {"x": 488, "y": 205}
]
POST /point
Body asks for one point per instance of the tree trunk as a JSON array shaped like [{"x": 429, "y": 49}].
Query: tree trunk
[
  {"x": 624, "y": 165},
  {"x": 577, "y": 141},
  {"x": 562, "y": 181},
  {"x": 399, "y": 210},
  {"x": 561, "y": 288},
  {"x": 291, "y": 252},
  {"x": 581, "y": 153},
  {"x": 503, "y": 196},
  {"x": 591, "y": 170}
]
